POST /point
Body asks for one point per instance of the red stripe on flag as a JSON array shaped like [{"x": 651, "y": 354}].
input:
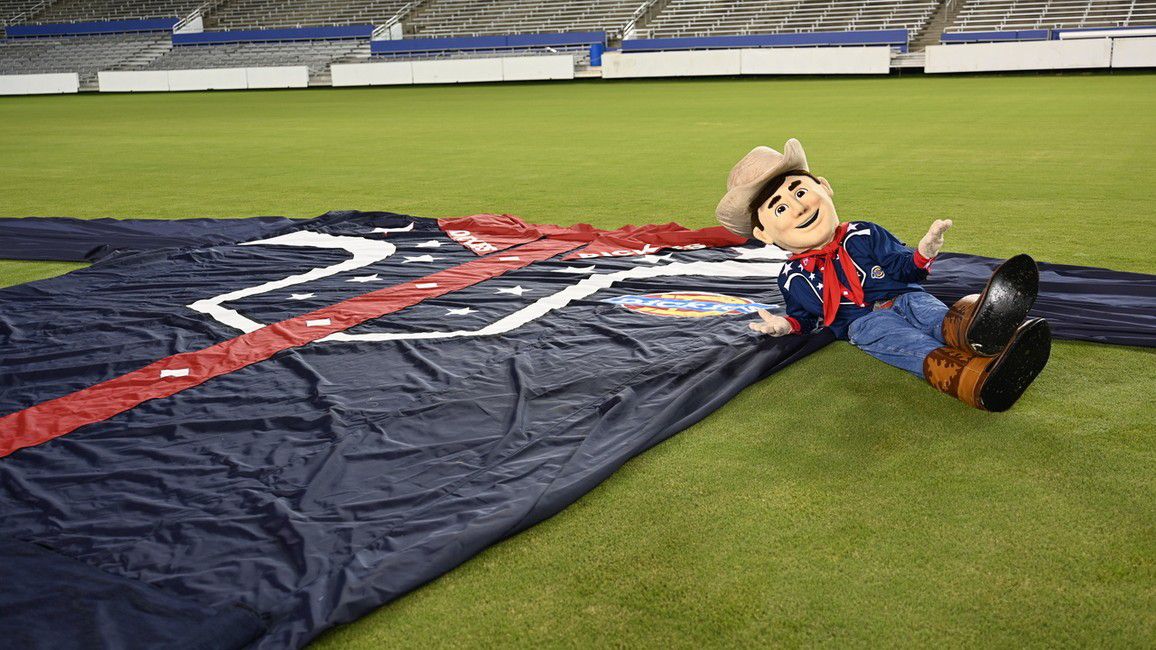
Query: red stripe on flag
[{"x": 54, "y": 418}]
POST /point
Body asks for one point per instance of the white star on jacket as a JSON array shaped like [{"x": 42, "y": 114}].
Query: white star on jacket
[
  {"x": 301, "y": 296},
  {"x": 433, "y": 243},
  {"x": 463, "y": 311},
  {"x": 419, "y": 258},
  {"x": 365, "y": 278},
  {"x": 514, "y": 291}
]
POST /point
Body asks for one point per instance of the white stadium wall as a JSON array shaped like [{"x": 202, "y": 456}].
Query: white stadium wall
[
  {"x": 388, "y": 73},
  {"x": 296, "y": 76},
  {"x": 513, "y": 68},
  {"x": 218, "y": 79},
  {"x": 452, "y": 71},
  {"x": 537, "y": 68},
  {"x": 39, "y": 84},
  {"x": 784, "y": 60},
  {"x": 1134, "y": 53},
  {"x": 133, "y": 82},
  {"x": 831, "y": 60},
  {"x": 289, "y": 76},
  {"x": 697, "y": 63},
  {"x": 1037, "y": 55}
]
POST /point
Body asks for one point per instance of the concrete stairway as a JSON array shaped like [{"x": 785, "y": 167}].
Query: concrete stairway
[
  {"x": 929, "y": 34},
  {"x": 358, "y": 53}
]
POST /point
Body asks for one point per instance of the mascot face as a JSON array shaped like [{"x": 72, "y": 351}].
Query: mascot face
[{"x": 799, "y": 215}]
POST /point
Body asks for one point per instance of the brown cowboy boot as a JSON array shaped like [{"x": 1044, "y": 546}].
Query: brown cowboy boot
[
  {"x": 983, "y": 323},
  {"x": 992, "y": 383}
]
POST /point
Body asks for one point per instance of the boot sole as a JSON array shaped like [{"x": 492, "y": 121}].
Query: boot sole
[
  {"x": 1004, "y": 305},
  {"x": 1026, "y": 355}
]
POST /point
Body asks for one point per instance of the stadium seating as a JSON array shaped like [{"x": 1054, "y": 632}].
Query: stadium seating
[
  {"x": 264, "y": 14},
  {"x": 665, "y": 25},
  {"x": 71, "y": 11},
  {"x": 1010, "y": 15},
  {"x": 316, "y": 55},
  {"x": 85, "y": 55},
  {"x": 738, "y": 17},
  {"x": 11, "y": 9},
  {"x": 471, "y": 18}
]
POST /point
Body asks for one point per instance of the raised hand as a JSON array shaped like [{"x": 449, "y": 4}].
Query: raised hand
[
  {"x": 933, "y": 241},
  {"x": 771, "y": 324}
]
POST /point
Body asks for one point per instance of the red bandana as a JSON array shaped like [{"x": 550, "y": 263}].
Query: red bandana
[{"x": 833, "y": 290}]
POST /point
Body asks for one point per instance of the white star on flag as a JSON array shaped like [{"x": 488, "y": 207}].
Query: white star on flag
[
  {"x": 463, "y": 311},
  {"x": 655, "y": 259},
  {"x": 402, "y": 229},
  {"x": 576, "y": 269},
  {"x": 514, "y": 291},
  {"x": 419, "y": 258},
  {"x": 433, "y": 243},
  {"x": 301, "y": 296},
  {"x": 365, "y": 278}
]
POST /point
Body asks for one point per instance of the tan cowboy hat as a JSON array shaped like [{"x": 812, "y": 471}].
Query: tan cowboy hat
[{"x": 747, "y": 178}]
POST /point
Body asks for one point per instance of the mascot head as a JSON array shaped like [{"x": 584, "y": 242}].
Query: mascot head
[{"x": 774, "y": 198}]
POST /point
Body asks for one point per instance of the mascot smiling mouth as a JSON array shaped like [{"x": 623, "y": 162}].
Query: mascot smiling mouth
[{"x": 808, "y": 222}]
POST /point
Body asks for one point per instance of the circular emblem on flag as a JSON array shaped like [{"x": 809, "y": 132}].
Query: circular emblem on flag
[{"x": 688, "y": 304}]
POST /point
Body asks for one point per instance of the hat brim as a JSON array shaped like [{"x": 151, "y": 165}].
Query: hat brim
[{"x": 733, "y": 210}]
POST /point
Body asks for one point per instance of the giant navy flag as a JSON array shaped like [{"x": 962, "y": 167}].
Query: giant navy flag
[{"x": 235, "y": 433}]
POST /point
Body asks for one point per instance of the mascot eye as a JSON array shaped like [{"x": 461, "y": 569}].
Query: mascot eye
[
  {"x": 781, "y": 209},
  {"x": 800, "y": 193}
]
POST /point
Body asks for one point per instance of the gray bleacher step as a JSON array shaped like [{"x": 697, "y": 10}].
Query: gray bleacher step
[{"x": 908, "y": 60}]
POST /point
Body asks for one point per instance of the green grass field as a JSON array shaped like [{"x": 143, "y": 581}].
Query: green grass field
[{"x": 839, "y": 503}]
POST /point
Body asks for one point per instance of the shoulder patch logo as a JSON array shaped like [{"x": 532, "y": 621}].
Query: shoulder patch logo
[{"x": 877, "y": 272}]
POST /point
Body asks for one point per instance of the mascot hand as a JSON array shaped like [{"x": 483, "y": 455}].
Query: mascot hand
[
  {"x": 771, "y": 324},
  {"x": 933, "y": 241}
]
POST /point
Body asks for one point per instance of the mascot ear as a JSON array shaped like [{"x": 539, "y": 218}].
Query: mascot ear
[
  {"x": 827, "y": 186},
  {"x": 762, "y": 235}
]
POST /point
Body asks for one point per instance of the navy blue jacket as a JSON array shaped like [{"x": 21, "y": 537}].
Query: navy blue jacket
[{"x": 885, "y": 266}]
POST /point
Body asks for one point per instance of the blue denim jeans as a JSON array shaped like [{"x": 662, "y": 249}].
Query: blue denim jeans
[{"x": 904, "y": 334}]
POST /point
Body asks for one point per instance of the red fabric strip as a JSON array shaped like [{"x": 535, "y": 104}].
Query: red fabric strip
[
  {"x": 487, "y": 233},
  {"x": 54, "y": 418}
]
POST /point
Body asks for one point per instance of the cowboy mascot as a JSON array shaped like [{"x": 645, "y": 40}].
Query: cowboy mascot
[{"x": 861, "y": 282}]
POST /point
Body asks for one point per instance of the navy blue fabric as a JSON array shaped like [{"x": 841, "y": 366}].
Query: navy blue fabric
[
  {"x": 50, "y": 600},
  {"x": 88, "y": 240},
  {"x": 1080, "y": 302},
  {"x": 332, "y": 478}
]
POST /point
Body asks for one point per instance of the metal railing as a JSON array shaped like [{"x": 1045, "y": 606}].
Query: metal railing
[
  {"x": 199, "y": 12},
  {"x": 382, "y": 31},
  {"x": 26, "y": 14},
  {"x": 629, "y": 28}
]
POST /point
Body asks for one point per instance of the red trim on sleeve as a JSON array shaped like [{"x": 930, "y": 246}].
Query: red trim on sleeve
[
  {"x": 795, "y": 326},
  {"x": 921, "y": 261}
]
